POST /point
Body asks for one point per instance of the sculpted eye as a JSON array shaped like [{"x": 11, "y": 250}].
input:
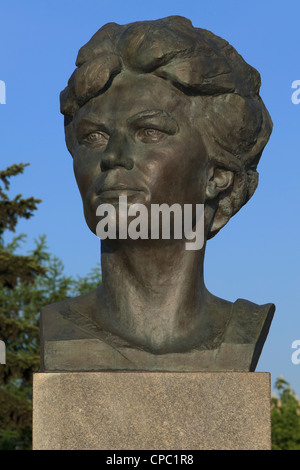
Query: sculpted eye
[
  {"x": 150, "y": 135},
  {"x": 99, "y": 138}
]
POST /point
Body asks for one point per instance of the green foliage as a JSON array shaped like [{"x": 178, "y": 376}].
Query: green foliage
[
  {"x": 285, "y": 418},
  {"x": 12, "y": 266},
  {"x": 13, "y": 209},
  {"x": 27, "y": 283}
]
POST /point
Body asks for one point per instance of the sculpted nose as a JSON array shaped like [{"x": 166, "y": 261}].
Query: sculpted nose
[{"x": 117, "y": 153}]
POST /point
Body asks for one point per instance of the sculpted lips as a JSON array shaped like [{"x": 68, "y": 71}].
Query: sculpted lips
[{"x": 113, "y": 192}]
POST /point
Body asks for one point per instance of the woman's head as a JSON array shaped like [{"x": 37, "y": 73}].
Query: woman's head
[{"x": 223, "y": 89}]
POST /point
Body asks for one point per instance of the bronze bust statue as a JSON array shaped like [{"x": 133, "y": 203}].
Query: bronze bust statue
[{"x": 160, "y": 112}]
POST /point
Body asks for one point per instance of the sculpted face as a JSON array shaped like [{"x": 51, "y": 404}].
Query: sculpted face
[{"x": 138, "y": 140}]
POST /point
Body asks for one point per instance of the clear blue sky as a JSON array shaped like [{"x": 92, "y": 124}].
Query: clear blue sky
[{"x": 256, "y": 256}]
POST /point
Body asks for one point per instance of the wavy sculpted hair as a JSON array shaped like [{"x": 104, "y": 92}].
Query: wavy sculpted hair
[{"x": 203, "y": 66}]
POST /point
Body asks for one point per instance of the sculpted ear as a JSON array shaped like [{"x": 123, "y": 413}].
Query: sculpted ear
[
  {"x": 218, "y": 181},
  {"x": 226, "y": 192},
  {"x": 218, "y": 188}
]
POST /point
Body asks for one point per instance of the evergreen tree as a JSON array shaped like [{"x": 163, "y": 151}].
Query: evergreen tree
[
  {"x": 14, "y": 267},
  {"x": 285, "y": 418},
  {"x": 27, "y": 283}
]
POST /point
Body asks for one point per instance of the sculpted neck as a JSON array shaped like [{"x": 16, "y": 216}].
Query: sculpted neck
[{"x": 153, "y": 293}]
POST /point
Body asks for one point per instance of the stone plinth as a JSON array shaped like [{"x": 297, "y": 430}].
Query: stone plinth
[{"x": 151, "y": 410}]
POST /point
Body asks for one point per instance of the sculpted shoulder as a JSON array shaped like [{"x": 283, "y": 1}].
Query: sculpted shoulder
[
  {"x": 68, "y": 319},
  {"x": 72, "y": 341}
]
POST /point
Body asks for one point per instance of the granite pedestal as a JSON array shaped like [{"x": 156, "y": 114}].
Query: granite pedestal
[{"x": 151, "y": 411}]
